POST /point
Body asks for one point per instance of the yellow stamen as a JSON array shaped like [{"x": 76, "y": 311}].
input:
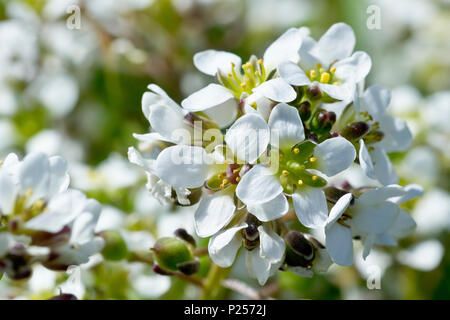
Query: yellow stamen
[
  {"x": 300, "y": 182},
  {"x": 321, "y": 70},
  {"x": 333, "y": 70},
  {"x": 314, "y": 177},
  {"x": 312, "y": 159},
  {"x": 260, "y": 61},
  {"x": 312, "y": 74},
  {"x": 325, "y": 77},
  {"x": 243, "y": 85},
  {"x": 319, "y": 66},
  {"x": 296, "y": 150},
  {"x": 238, "y": 179},
  {"x": 224, "y": 181},
  {"x": 285, "y": 172},
  {"x": 236, "y": 170}
]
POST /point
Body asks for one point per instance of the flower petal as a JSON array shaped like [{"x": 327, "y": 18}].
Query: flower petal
[
  {"x": 270, "y": 210},
  {"x": 310, "y": 205},
  {"x": 258, "y": 186},
  {"x": 210, "y": 96},
  {"x": 354, "y": 68},
  {"x": 339, "y": 244},
  {"x": 258, "y": 267},
  {"x": 376, "y": 99},
  {"x": 403, "y": 225},
  {"x": 293, "y": 74},
  {"x": 223, "y": 114},
  {"x": 169, "y": 124},
  {"x": 285, "y": 48},
  {"x": 59, "y": 176},
  {"x": 211, "y": 61},
  {"x": 336, "y": 44},
  {"x": 339, "y": 208},
  {"x": 341, "y": 92},
  {"x": 272, "y": 246},
  {"x": 223, "y": 246},
  {"x": 182, "y": 166},
  {"x": 62, "y": 209},
  {"x": 286, "y": 121},
  {"x": 213, "y": 213},
  {"x": 248, "y": 137},
  {"x": 365, "y": 161},
  {"x": 8, "y": 193},
  {"x": 334, "y": 155},
  {"x": 375, "y": 219},
  {"x": 379, "y": 195},
  {"x": 384, "y": 170},
  {"x": 34, "y": 175},
  {"x": 277, "y": 90}
]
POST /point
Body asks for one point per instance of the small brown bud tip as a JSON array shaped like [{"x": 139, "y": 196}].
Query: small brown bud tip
[
  {"x": 184, "y": 235},
  {"x": 305, "y": 110},
  {"x": 64, "y": 296},
  {"x": 355, "y": 130},
  {"x": 299, "y": 244},
  {"x": 314, "y": 92},
  {"x": 157, "y": 269},
  {"x": 189, "y": 268}
]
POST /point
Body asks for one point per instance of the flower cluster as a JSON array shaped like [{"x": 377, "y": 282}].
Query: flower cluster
[
  {"x": 42, "y": 220},
  {"x": 257, "y": 149}
]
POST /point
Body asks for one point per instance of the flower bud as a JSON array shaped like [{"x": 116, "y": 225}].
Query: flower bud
[
  {"x": 305, "y": 110},
  {"x": 189, "y": 267},
  {"x": 333, "y": 194},
  {"x": 64, "y": 296},
  {"x": 184, "y": 235},
  {"x": 313, "y": 92},
  {"x": 251, "y": 234},
  {"x": 323, "y": 121},
  {"x": 299, "y": 250},
  {"x": 115, "y": 247},
  {"x": 170, "y": 252},
  {"x": 355, "y": 130}
]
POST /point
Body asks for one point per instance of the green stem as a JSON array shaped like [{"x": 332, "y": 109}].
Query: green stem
[{"x": 213, "y": 284}]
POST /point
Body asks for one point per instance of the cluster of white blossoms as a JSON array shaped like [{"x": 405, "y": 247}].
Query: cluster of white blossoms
[
  {"x": 42, "y": 220},
  {"x": 256, "y": 150}
]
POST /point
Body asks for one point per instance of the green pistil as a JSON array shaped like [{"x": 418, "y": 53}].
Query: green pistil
[
  {"x": 253, "y": 75},
  {"x": 294, "y": 165}
]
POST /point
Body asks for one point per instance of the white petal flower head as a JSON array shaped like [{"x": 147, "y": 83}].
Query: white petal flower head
[
  {"x": 374, "y": 217},
  {"x": 263, "y": 257},
  {"x": 329, "y": 63},
  {"x": 220, "y": 102},
  {"x": 296, "y": 169},
  {"x": 59, "y": 222},
  {"x": 387, "y": 134}
]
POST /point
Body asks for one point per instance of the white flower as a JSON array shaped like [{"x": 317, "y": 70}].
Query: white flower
[
  {"x": 329, "y": 63},
  {"x": 395, "y": 135},
  {"x": 190, "y": 167},
  {"x": 220, "y": 101},
  {"x": 263, "y": 188},
  {"x": 57, "y": 221},
  {"x": 165, "y": 116},
  {"x": 262, "y": 260},
  {"x": 374, "y": 217}
]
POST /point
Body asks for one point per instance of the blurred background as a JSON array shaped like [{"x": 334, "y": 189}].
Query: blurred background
[{"x": 76, "y": 92}]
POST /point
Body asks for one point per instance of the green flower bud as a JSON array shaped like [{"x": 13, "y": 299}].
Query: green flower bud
[
  {"x": 323, "y": 121},
  {"x": 115, "y": 247},
  {"x": 171, "y": 252}
]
